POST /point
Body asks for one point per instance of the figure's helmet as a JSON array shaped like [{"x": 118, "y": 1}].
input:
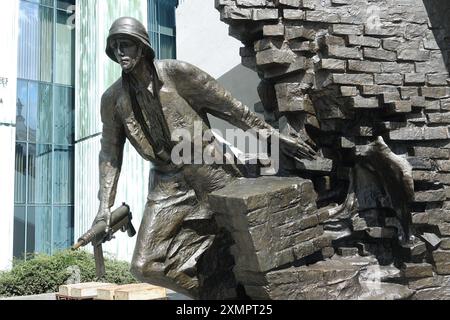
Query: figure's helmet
[{"x": 132, "y": 28}]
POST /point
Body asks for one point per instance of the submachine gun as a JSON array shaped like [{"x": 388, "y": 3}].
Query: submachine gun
[{"x": 120, "y": 220}]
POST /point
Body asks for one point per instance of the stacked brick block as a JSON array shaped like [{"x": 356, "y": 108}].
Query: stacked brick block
[
  {"x": 275, "y": 224},
  {"x": 340, "y": 73}
]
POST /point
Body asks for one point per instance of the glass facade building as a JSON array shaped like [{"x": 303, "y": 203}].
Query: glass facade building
[
  {"x": 44, "y": 166},
  {"x": 162, "y": 27},
  {"x": 44, "y": 190}
]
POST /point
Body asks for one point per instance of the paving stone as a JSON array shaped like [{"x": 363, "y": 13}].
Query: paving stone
[
  {"x": 433, "y": 153},
  {"x": 251, "y": 3},
  {"x": 332, "y": 64},
  {"x": 379, "y": 54},
  {"x": 364, "y": 66},
  {"x": 409, "y": 91},
  {"x": 264, "y": 14},
  {"x": 394, "y": 67},
  {"x": 233, "y": 13},
  {"x": 443, "y": 268},
  {"x": 347, "y": 91},
  {"x": 291, "y": 3},
  {"x": 378, "y": 89},
  {"x": 323, "y": 16},
  {"x": 346, "y": 29},
  {"x": 385, "y": 30},
  {"x": 391, "y": 97},
  {"x": 420, "y": 163},
  {"x": 291, "y": 98},
  {"x": 319, "y": 165},
  {"x": 344, "y": 52},
  {"x": 400, "y": 107},
  {"x": 389, "y": 78},
  {"x": 432, "y": 239},
  {"x": 417, "y": 270},
  {"x": 352, "y": 79},
  {"x": 430, "y": 196},
  {"x": 276, "y": 30},
  {"x": 299, "y": 32},
  {"x": 294, "y": 14},
  {"x": 419, "y": 133},
  {"x": 435, "y": 92},
  {"x": 437, "y": 79},
  {"x": 360, "y": 102},
  {"x": 443, "y": 118},
  {"x": 445, "y": 244},
  {"x": 275, "y": 57},
  {"x": 413, "y": 55},
  {"x": 414, "y": 78},
  {"x": 354, "y": 40},
  {"x": 440, "y": 256}
]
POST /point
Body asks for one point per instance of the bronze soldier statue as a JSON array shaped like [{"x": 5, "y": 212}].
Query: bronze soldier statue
[{"x": 150, "y": 101}]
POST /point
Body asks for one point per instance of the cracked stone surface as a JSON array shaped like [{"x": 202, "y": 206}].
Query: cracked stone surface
[{"x": 367, "y": 84}]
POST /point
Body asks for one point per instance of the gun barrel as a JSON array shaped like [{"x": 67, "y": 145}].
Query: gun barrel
[
  {"x": 98, "y": 230},
  {"x": 78, "y": 245}
]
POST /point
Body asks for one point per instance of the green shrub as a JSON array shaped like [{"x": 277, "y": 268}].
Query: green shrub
[{"x": 44, "y": 274}]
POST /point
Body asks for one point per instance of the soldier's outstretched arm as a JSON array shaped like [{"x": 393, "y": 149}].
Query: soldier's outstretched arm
[
  {"x": 110, "y": 157},
  {"x": 204, "y": 93}
]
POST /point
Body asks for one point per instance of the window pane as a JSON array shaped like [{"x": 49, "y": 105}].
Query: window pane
[
  {"x": 152, "y": 16},
  {"x": 19, "y": 232},
  {"x": 33, "y": 103},
  {"x": 21, "y": 111},
  {"x": 65, "y": 4},
  {"x": 43, "y": 2},
  {"x": 39, "y": 230},
  {"x": 64, "y": 115},
  {"x": 161, "y": 26},
  {"x": 154, "y": 41},
  {"x": 20, "y": 173},
  {"x": 65, "y": 43},
  {"x": 40, "y": 113},
  {"x": 63, "y": 175},
  {"x": 167, "y": 18},
  {"x": 168, "y": 49},
  {"x": 35, "y": 42},
  {"x": 39, "y": 173},
  {"x": 62, "y": 228}
]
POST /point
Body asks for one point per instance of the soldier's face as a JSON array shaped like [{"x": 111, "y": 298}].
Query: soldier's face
[{"x": 127, "y": 53}]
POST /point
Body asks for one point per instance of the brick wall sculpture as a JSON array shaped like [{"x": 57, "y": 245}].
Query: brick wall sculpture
[{"x": 366, "y": 82}]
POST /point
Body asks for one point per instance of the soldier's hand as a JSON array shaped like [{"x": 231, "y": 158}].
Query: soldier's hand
[
  {"x": 296, "y": 148},
  {"x": 104, "y": 214}
]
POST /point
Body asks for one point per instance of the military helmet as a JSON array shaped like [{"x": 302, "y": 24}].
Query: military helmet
[{"x": 132, "y": 28}]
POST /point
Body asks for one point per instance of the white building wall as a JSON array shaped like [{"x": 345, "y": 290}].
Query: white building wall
[
  {"x": 8, "y": 63},
  {"x": 203, "y": 40}
]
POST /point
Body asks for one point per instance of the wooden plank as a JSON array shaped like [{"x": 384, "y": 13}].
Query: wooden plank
[
  {"x": 108, "y": 292},
  {"x": 148, "y": 292},
  {"x": 82, "y": 290},
  {"x": 88, "y": 291},
  {"x": 66, "y": 290}
]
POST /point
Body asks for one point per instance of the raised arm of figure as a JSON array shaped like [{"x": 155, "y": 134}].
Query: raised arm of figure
[{"x": 204, "y": 93}]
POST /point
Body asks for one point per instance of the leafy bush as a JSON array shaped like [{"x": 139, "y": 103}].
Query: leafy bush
[{"x": 44, "y": 274}]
